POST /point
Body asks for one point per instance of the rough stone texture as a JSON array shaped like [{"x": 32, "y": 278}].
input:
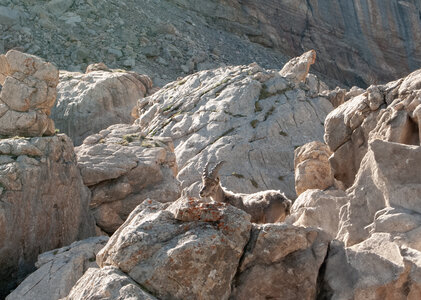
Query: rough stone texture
[
  {"x": 378, "y": 268},
  {"x": 248, "y": 116},
  {"x": 312, "y": 167},
  {"x": 190, "y": 250},
  {"x": 90, "y": 102},
  {"x": 122, "y": 168},
  {"x": 28, "y": 92},
  {"x": 389, "y": 176},
  {"x": 390, "y": 112},
  {"x": 43, "y": 203},
  {"x": 58, "y": 270},
  {"x": 316, "y": 208},
  {"x": 108, "y": 283},
  {"x": 281, "y": 262},
  {"x": 298, "y": 68}
]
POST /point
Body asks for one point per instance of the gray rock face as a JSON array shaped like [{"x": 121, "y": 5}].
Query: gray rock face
[
  {"x": 281, "y": 262},
  {"x": 108, "y": 283},
  {"x": 122, "y": 168},
  {"x": 59, "y": 270},
  {"x": 189, "y": 250},
  {"x": 43, "y": 203},
  {"x": 248, "y": 116},
  {"x": 88, "y": 103}
]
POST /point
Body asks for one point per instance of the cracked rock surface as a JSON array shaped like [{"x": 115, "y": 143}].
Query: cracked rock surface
[{"x": 248, "y": 116}]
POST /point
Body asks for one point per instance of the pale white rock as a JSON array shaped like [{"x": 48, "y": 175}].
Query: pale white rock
[
  {"x": 59, "y": 270},
  {"x": 377, "y": 268},
  {"x": 108, "y": 283},
  {"x": 281, "y": 262},
  {"x": 43, "y": 203},
  {"x": 122, "y": 168},
  {"x": 250, "y": 117},
  {"x": 312, "y": 167},
  {"x": 191, "y": 250},
  {"x": 90, "y": 102},
  {"x": 297, "y": 68},
  {"x": 316, "y": 208}
]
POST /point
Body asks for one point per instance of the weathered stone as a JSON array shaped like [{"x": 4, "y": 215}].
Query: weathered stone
[
  {"x": 377, "y": 268},
  {"x": 108, "y": 283},
  {"x": 190, "y": 250},
  {"x": 59, "y": 270},
  {"x": 250, "y": 117},
  {"x": 316, "y": 208},
  {"x": 28, "y": 92},
  {"x": 122, "y": 168},
  {"x": 88, "y": 103},
  {"x": 281, "y": 262},
  {"x": 297, "y": 68},
  {"x": 312, "y": 168},
  {"x": 43, "y": 203}
]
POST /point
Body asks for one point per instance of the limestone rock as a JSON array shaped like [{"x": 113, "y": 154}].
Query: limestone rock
[
  {"x": 191, "y": 250},
  {"x": 27, "y": 95},
  {"x": 297, "y": 68},
  {"x": 248, "y": 116},
  {"x": 108, "y": 283},
  {"x": 389, "y": 176},
  {"x": 43, "y": 203},
  {"x": 388, "y": 112},
  {"x": 90, "y": 102},
  {"x": 122, "y": 168},
  {"x": 58, "y": 270},
  {"x": 312, "y": 167},
  {"x": 281, "y": 262},
  {"x": 316, "y": 208},
  {"x": 378, "y": 268}
]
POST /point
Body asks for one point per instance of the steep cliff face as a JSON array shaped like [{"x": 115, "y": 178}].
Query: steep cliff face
[{"x": 359, "y": 42}]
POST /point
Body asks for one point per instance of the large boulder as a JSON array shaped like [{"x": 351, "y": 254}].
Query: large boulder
[
  {"x": 378, "y": 268},
  {"x": 59, "y": 270},
  {"x": 43, "y": 203},
  {"x": 90, "y": 102},
  {"x": 281, "y": 262},
  {"x": 108, "y": 283},
  {"x": 312, "y": 167},
  {"x": 122, "y": 167},
  {"x": 390, "y": 112},
  {"x": 248, "y": 116},
  {"x": 190, "y": 250},
  {"x": 27, "y": 95}
]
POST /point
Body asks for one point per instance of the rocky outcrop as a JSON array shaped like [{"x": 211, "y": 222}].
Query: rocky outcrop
[
  {"x": 90, "y": 102},
  {"x": 312, "y": 168},
  {"x": 108, "y": 283},
  {"x": 59, "y": 270},
  {"x": 281, "y": 262},
  {"x": 122, "y": 167},
  {"x": 248, "y": 116},
  {"x": 190, "y": 250},
  {"x": 43, "y": 203},
  {"x": 27, "y": 95},
  {"x": 389, "y": 112}
]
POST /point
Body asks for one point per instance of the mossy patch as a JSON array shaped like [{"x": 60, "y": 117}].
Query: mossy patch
[
  {"x": 254, "y": 183},
  {"x": 254, "y": 123},
  {"x": 257, "y": 107}
]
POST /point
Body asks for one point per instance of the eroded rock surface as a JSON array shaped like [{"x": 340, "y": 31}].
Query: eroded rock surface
[
  {"x": 312, "y": 167},
  {"x": 43, "y": 203},
  {"x": 281, "y": 262},
  {"x": 27, "y": 95},
  {"x": 59, "y": 270},
  {"x": 122, "y": 168},
  {"x": 190, "y": 250},
  {"x": 108, "y": 283},
  {"x": 90, "y": 102},
  {"x": 248, "y": 116}
]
